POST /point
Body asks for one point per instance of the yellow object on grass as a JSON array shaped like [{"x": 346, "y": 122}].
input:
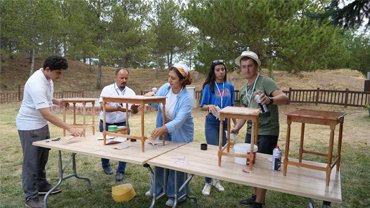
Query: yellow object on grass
[{"x": 123, "y": 193}]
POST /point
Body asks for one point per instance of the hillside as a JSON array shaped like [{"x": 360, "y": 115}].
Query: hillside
[{"x": 81, "y": 76}]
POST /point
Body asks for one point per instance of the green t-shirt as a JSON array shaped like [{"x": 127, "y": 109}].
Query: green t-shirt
[{"x": 268, "y": 123}]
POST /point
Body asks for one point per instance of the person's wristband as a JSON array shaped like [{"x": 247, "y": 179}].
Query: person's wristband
[{"x": 271, "y": 101}]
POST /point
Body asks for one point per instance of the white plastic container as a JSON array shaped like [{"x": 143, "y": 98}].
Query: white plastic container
[{"x": 244, "y": 148}]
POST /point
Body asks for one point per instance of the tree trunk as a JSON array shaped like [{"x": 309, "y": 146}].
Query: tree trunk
[
  {"x": 32, "y": 61},
  {"x": 98, "y": 81}
]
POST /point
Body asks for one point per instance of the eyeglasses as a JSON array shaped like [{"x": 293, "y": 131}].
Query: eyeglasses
[{"x": 218, "y": 62}]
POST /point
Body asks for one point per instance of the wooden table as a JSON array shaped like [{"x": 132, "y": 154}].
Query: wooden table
[
  {"x": 140, "y": 100},
  {"x": 301, "y": 182},
  {"x": 331, "y": 119},
  {"x": 238, "y": 113},
  {"x": 83, "y": 101},
  {"x": 92, "y": 146}
]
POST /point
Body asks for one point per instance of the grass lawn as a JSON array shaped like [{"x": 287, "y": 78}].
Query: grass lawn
[{"x": 355, "y": 167}]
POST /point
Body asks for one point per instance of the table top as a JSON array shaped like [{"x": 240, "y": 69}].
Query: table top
[
  {"x": 316, "y": 114},
  {"x": 137, "y": 99},
  {"x": 240, "y": 111},
  {"x": 79, "y": 100},
  {"x": 92, "y": 145},
  {"x": 298, "y": 181}
]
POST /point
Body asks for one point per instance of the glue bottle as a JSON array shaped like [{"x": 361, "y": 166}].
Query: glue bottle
[
  {"x": 276, "y": 159},
  {"x": 263, "y": 107}
]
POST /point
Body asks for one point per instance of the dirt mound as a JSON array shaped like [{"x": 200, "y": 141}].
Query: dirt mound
[{"x": 82, "y": 76}]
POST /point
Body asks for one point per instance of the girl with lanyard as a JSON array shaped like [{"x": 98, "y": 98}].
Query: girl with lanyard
[{"x": 217, "y": 94}]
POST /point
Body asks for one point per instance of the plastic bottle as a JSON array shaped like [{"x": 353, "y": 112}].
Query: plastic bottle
[
  {"x": 276, "y": 159},
  {"x": 263, "y": 107}
]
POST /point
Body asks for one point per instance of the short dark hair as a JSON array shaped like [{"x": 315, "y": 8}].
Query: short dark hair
[
  {"x": 119, "y": 69},
  {"x": 56, "y": 63}
]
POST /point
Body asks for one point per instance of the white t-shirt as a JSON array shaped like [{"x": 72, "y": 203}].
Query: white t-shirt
[
  {"x": 113, "y": 91},
  {"x": 171, "y": 100},
  {"x": 38, "y": 94}
]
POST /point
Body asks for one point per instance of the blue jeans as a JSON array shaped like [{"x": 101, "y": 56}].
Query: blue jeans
[
  {"x": 105, "y": 162},
  {"x": 212, "y": 131},
  {"x": 265, "y": 143},
  {"x": 170, "y": 189}
]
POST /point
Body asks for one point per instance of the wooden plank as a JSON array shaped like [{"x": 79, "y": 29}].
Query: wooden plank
[{"x": 299, "y": 181}]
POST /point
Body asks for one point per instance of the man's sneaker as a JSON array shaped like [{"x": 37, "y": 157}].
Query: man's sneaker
[
  {"x": 108, "y": 170},
  {"x": 148, "y": 193},
  {"x": 44, "y": 189},
  {"x": 249, "y": 201},
  {"x": 170, "y": 201},
  {"x": 217, "y": 184},
  {"x": 34, "y": 203},
  {"x": 206, "y": 189},
  {"x": 257, "y": 205},
  {"x": 119, "y": 176}
]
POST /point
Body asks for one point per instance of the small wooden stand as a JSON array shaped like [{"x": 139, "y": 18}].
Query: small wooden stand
[
  {"x": 83, "y": 101},
  {"x": 139, "y": 100},
  {"x": 331, "y": 119},
  {"x": 238, "y": 113}
]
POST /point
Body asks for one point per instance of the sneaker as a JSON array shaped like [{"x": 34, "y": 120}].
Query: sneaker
[
  {"x": 217, "y": 184},
  {"x": 257, "y": 205},
  {"x": 34, "y": 203},
  {"x": 119, "y": 176},
  {"x": 108, "y": 170},
  {"x": 249, "y": 201},
  {"x": 44, "y": 189},
  {"x": 169, "y": 202},
  {"x": 148, "y": 193},
  {"x": 206, "y": 189}
]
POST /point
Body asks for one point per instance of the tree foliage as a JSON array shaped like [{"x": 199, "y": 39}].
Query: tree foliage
[{"x": 282, "y": 36}]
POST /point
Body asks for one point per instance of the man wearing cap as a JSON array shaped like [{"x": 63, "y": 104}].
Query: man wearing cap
[
  {"x": 268, "y": 123},
  {"x": 116, "y": 114}
]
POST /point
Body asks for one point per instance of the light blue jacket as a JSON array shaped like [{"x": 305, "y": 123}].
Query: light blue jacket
[{"x": 181, "y": 128}]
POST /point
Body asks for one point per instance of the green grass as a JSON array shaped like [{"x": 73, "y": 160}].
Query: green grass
[{"x": 355, "y": 172}]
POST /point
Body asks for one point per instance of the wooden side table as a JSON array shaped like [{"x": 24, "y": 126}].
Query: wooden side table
[
  {"x": 82, "y": 101},
  {"x": 238, "y": 113},
  {"x": 331, "y": 119},
  {"x": 140, "y": 100}
]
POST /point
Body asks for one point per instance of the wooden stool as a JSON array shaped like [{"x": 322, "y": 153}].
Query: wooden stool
[
  {"x": 83, "y": 101},
  {"x": 331, "y": 119},
  {"x": 140, "y": 100},
  {"x": 238, "y": 113}
]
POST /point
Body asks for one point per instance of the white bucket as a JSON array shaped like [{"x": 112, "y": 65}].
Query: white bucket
[{"x": 244, "y": 148}]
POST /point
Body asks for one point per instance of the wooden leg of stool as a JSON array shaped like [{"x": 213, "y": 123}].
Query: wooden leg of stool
[
  {"x": 286, "y": 153},
  {"x": 301, "y": 142}
]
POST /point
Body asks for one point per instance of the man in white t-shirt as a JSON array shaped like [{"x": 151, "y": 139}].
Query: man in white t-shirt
[
  {"x": 116, "y": 114},
  {"x": 32, "y": 124}
]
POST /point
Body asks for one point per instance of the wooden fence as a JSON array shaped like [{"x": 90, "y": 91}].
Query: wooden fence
[
  {"x": 315, "y": 96},
  {"x": 7, "y": 97},
  {"x": 320, "y": 96}
]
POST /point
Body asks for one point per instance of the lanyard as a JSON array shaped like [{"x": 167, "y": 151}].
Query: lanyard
[
  {"x": 253, "y": 88},
  {"x": 223, "y": 90},
  {"x": 116, "y": 87}
]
